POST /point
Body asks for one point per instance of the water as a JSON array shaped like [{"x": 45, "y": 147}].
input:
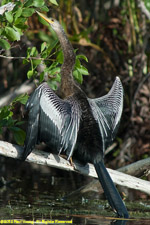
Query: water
[{"x": 35, "y": 192}]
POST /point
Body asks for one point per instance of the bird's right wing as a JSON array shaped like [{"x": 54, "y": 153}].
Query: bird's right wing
[{"x": 51, "y": 120}]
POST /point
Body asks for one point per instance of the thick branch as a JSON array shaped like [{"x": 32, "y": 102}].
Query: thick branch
[
  {"x": 139, "y": 168},
  {"x": 48, "y": 159}
]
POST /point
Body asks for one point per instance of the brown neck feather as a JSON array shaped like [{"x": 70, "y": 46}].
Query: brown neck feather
[{"x": 67, "y": 81}]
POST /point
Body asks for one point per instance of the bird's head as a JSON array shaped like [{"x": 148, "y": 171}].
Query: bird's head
[{"x": 54, "y": 23}]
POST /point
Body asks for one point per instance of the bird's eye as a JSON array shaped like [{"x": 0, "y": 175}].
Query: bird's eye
[{"x": 52, "y": 20}]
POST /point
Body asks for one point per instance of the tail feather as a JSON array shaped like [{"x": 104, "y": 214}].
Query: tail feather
[{"x": 110, "y": 190}]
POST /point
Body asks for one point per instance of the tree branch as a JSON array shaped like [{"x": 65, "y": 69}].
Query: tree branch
[
  {"x": 143, "y": 8},
  {"x": 49, "y": 159},
  {"x": 23, "y": 57},
  {"x": 139, "y": 168}
]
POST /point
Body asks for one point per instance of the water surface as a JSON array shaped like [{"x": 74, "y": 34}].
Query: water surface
[{"x": 34, "y": 192}]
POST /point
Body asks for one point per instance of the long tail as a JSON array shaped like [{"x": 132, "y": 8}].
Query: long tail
[{"x": 110, "y": 190}]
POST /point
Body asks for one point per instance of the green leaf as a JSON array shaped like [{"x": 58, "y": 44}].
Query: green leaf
[
  {"x": 27, "y": 12},
  {"x": 1, "y": 31},
  {"x": 38, "y": 3},
  {"x": 83, "y": 70},
  {"x": 36, "y": 62},
  {"x": 54, "y": 71},
  {"x": 43, "y": 46},
  {"x": 60, "y": 57},
  {"x": 20, "y": 23},
  {"x": 9, "y": 17},
  {"x": 5, "y": 112},
  {"x": 30, "y": 74},
  {"x": 19, "y": 135},
  {"x": 18, "y": 30},
  {"x": 78, "y": 76},
  {"x": 12, "y": 34},
  {"x": 4, "y": 44},
  {"x": 18, "y": 13},
  {"x": 26, "y": 61},
  {"x": 28, "y": 3},
  {"x": 44, "y": 8},
  {"x": 53, "y": 2},
  {"x": 51, "y": 47},
  {"x": 82, "y": 57},
  {"x": 33, "y": 52},
  {"x": 21, "y": 98},
  {"x": 78, "y": 63},
  {"x": 41, "y": 77}
]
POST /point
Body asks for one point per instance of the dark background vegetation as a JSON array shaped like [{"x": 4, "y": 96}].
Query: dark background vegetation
[{"x": 115, "y": 37}]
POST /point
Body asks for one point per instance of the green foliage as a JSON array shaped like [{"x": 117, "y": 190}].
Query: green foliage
[
  {"x": 147, "y": 4},
  {"x": 13, "y": 24},
  {"x": 53, "y": 2},
  {"x": 7, "y": 121},
  {"x": 4, "y": 44}
]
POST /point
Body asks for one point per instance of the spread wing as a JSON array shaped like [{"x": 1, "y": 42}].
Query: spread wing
[
  {"x": 51, "y": 120},
  {"x": 107, "y": 110}
]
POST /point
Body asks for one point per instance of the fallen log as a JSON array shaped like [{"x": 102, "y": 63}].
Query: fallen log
[
  {"x": 49, "y": 159},
  {"x": 138, "y": 169}
]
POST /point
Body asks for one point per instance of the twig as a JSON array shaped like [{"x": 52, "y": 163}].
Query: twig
[
  {"x": 48, "y": 159},
  {"x": 22, "y": 57}
]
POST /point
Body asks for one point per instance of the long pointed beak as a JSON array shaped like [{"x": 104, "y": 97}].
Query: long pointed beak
[{"x": 45, "y": 17}]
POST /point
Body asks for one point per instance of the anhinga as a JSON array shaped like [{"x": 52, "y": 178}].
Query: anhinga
[{"x": 75, "y": 123}]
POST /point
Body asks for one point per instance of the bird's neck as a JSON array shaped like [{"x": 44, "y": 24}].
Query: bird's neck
[{"x": 67, "y": 81}]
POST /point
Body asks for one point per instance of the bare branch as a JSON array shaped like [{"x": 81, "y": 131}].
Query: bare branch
[
  {"x": 22, "y": 57},
  {"x": 143, "y": 8},
  {"x": 48, "y": 159},
  {"x": 7, "y": 7}
]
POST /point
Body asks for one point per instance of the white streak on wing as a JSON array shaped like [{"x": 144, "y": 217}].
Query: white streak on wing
[
  {"x": 120, "y": 102},
  {"x": 75, "y": 120},
  {"x": 50, "y": 110}
]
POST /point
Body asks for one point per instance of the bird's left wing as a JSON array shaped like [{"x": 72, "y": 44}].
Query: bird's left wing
[
  {"x": 52, "y": 120},
  {"x": 107, "y": 110}
]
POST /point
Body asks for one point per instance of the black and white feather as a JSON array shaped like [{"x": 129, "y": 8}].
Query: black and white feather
[
  {"x": 107, "y": 111},
  {"x": 51, "y": 120}
]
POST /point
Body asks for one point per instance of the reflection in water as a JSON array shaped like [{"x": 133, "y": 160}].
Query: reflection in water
[{"x": 119, "y": 222}]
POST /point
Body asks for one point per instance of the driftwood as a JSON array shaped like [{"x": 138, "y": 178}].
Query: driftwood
[
  {"x": 138, "y": 169},
  {"x": 49, "y": 159}
]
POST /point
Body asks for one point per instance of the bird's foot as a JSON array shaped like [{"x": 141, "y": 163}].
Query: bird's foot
[{"x": 71, "y": 162}]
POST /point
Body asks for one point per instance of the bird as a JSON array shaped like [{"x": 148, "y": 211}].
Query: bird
[{"x": 75, "y": 124}]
